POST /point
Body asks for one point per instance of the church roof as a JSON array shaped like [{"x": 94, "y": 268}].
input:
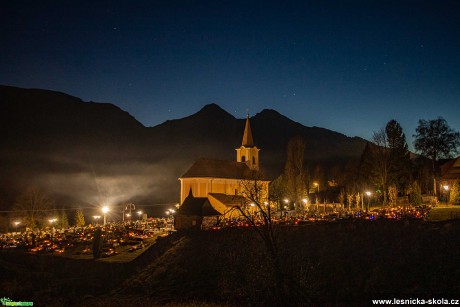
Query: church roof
[
  {"x": 192, "y": 206},
  {"x": 208, "y": 210},
  {"x": 247, "y": 137},
  {"x": 197, "y": 206},
  {"x": 212, "y": 168},
  {"x": 230, "y": 200}
]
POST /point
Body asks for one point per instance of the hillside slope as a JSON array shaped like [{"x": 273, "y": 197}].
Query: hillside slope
[{"x": 325, "y": 264}]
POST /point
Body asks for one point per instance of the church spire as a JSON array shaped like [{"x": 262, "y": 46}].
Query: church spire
[
  {"x": 248, "y": 152},
  {"x": 247, "y": 137}
]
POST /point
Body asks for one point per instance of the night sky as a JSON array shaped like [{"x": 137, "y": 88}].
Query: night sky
[{"x": 349, "y": 66}]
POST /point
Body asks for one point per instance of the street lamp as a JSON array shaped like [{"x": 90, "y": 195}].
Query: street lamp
[
  {"x": 16, "y": 224},
  {"x": 446, "y": 192},
  {"x": 139, "y": 213},
  {"x": 105, "y": 210},
  {"x": 130, "y": 207},
  {"x": 96, "y": 217},
  {"x": 316, "y": 185},
  {"x": 368, "y": 193},
  {"x": 170, "y": 214},
  {"x": 52, "y": 221}
]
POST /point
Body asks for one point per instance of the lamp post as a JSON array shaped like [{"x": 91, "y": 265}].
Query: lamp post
[
  {"x": 139, "y": 213},
  {"x": 16, "y": 224},
  {"x": 368, "y": 193},
  {"x": 286, "y": 207},
  {"x": 130, "y": 207},
  {"x": 96, "y": 218},
  {"x": 305, "y": 203},
  {"x": 170, "y": 214},
  {"x": 316, "y": 185},
  {"x": 446, "y": 192},
  {"x": 104, "y": 211}
]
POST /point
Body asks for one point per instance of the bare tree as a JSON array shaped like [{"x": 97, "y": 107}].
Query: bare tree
[
  {"x": 358, "y": 201},
  {"x": 32, "y": 206},
  {"x": 256, "y": 207},
  {"x": 341, "y": 198},
  {"x": 350, "y": 197},
  {"x": 392, "y": 194},
  {"x": 375, "y": 161},
  {"x": 294, "y": 172}
]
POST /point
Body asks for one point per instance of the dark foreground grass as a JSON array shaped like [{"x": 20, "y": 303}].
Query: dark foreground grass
[{"x": 323, "y": 264}]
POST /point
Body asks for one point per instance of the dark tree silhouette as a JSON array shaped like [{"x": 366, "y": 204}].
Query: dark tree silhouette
[
  {"x": 375, "y": 162},
  {"x": 295, "y": 174},
  {"x": 435, "y": 139},
  {"x": 400, "y": 164},
  {"x": 32, "y": 206}
]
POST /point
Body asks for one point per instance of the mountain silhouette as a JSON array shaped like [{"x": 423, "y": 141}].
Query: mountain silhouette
[{"x": 92, "y": 153}]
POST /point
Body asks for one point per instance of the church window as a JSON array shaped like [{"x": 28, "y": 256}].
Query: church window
[
  {"x": 253, "y": 160},
  {"x": 243, "y": 158}
]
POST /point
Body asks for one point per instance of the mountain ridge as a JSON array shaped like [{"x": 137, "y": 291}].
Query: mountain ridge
[{"x": 65, "y": 145}]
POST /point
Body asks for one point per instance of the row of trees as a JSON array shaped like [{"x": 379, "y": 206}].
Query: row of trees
[
  {"x": 386, "y": 161},
  {"x": 386, "y": 166}
]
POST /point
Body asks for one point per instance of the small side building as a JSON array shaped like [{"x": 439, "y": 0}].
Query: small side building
[{"x": 192, "y": 212}]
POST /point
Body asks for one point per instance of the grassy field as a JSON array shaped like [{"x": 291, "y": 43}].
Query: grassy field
[
  {"x": 443, "y": 213},
  {"x": 346, "y": 263}
]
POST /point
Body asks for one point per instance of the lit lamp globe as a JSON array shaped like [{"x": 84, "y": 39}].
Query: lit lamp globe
[{"x": 105, "y": 210}]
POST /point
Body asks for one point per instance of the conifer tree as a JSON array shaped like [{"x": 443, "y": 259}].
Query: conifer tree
[
  {"x": 455, "y": 193},
  {"x": 79, "y": 219},
  {"x": 415, "y": 194},
  {"x": 63, "y": 220},
  {"x": 400, "y": 164}
]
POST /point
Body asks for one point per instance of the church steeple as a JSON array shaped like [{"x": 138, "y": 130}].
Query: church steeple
[
  {"x": 248, "y": 152},
  {"x": 247, "y": 137}
]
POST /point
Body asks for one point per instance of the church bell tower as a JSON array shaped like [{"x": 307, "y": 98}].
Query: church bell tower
[{"x": 248, "y": 152}]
